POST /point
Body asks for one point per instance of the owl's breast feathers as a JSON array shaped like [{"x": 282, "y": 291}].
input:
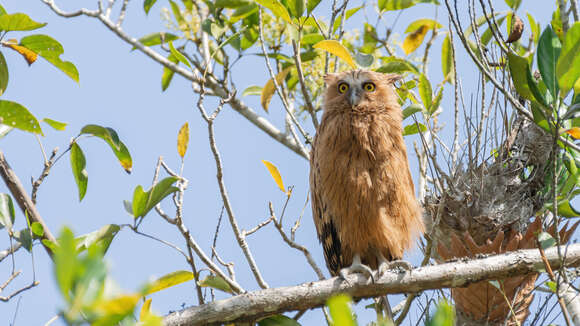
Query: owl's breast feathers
[{"x": 363, "y": 199}]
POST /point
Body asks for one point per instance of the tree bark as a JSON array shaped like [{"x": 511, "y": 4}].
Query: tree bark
[{"x": 255, "y": 305}]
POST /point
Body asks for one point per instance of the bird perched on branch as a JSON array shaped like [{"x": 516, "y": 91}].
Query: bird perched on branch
[{"x": 363, "y": 199}]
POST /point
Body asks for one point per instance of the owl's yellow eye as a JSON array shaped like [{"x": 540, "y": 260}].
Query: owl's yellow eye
[
  {"x": 369, "y": 87},
  {"x": 342, "y": 88}
]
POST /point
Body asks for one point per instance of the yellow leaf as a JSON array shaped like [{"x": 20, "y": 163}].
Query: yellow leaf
[
  {"x": 118, "y": 306},
  {"x": 269, "y": 89},
  {"x": 168, "y": 280},
  {"x": 28, "y": 55},
  {"x": 334, "y": 47},
  {"x": 183, "y": 139},
  {"x": 414, "y": 40},
  {"x": 275, "y": 174},
  {"x": 574, "y": 132},
  {"x": 145, "y": 309}
]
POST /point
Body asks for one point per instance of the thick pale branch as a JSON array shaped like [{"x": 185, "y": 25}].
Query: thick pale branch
[
  {"x": 254, "y": 305},
  {"x": 21, "y": 196}
]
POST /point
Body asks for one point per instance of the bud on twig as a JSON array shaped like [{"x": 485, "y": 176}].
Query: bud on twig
[{"x": 517, "y": 29}]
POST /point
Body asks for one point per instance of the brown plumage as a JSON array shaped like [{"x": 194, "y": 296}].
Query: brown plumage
[{"x": 363, "y": 199}]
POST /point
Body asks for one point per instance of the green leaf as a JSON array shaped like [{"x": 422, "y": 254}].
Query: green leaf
[
  {"x": 18, "y": 22},
  {"x": 6, "y": 212},
  {"x": 2, "y": 11},
  {"x": 57, "y": 125},
  {"x": 436, "y": 102},
  {"x": 232, "y": 4},
  {"x": 3, "y": 74},
  {"x": 177, "y": 14},
  {"x": 364, "y": 60},
  {"x": 568, "y": 66},
  {"x": 548, "y": 53},
  {"x": 340, "y": 311},
  {"x": 296, "y": 7},
  {"x": 277, "y": 9},
  {"x": 535, "y": 28},
  {"x": 252, "y": 90},
  {"x": 240, "y": 13},
  {"x": 147, "y": 4},
  {"x": 278, "y": 320},
  {"x": 447, "y": 59},
  {"x": 567, "y": 210},
  {"x": 179, "y": 55},
  {"x": 65, "y": 262},
  {"x": 396, "y": 65},
  {"x": 546, "y": 240},
  {"x": 387, "y": 5},
  {"x": 444, "y": 315},
  {"x": 514, "y": 4},
  {"x": 17, "y": 116},
  {"x": 411, "y": 109},
  {"x": 519, "y": 69},
  {"x": 167, "y": 281},
  {"x": 534, "y": 89},
  {"x": 78, "y": 164},
  {"x": 110, "y": 136},
  {"x": 311, "y": 38},
  {"x": 414, "y": 128},
  {"x": 167, "y": 75},
  {"x": 25, "y": 238},
  {"x": 425, "y": 91},
  {"x": 311, "y": 5},
  {"x": 156, "y": 39},
  {"x": 101, "y": 237},
  {"x": 144, "y": 201},
  {"x": 216, "y": 282},
  {"x": 50, "y": 49},
  {"x": 552, "y": 286},
  {"x": 37, "y": 229}
]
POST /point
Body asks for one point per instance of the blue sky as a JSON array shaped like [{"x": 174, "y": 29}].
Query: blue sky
[{"x": 121, "y": 89}]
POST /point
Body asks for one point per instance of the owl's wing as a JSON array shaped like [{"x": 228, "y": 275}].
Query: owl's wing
[{"x": 325, "y": 226}]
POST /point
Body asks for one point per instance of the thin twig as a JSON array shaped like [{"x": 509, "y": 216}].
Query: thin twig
[
  {"x": 294, "y": 245},
  {"x": 305, "y": 94},
  {"x": 223, "y": 191},
  {"x": 550, "y": 272},
  {"x": 278, "y": 88}
]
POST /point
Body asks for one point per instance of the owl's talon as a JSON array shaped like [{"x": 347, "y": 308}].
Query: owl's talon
[
  {"x": 357, "y": 267},
  {"x": 385, "y": 265}
]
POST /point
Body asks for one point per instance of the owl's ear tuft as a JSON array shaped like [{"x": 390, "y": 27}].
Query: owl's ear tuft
[
  {"x": 392, "y": 78},
  {"x": 329, "y": 78}
]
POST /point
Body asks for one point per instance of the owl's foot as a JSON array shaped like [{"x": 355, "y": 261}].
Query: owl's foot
[
  {"x": 357, "y": 267},
  {"x": 385, "y": 265}
]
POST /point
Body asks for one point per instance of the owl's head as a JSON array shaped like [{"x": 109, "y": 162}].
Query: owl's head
[{"x": 361, "y": 90}]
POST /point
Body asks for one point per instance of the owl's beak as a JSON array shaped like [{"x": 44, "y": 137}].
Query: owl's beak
[{"x": 354, "y": 97}]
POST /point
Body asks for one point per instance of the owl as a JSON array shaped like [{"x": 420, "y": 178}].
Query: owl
[{"x": 363, "y": 199}]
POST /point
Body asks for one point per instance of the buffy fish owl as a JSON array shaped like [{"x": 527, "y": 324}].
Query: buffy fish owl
[{"x": 363, "y": 199}]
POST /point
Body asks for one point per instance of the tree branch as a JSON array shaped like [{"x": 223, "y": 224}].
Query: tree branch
[
  {"x": 254, "y": 305},
  {"x": 23, "y": 200}
]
